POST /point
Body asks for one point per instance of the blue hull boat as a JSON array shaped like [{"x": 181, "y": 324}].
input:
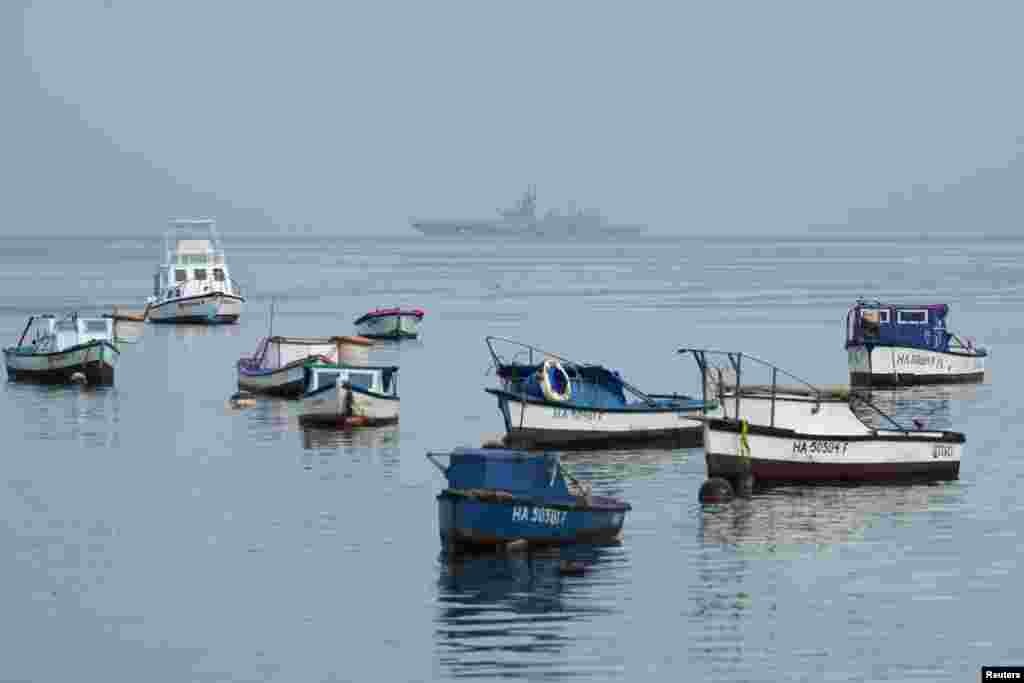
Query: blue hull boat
[{"x": 498, "y": 496}]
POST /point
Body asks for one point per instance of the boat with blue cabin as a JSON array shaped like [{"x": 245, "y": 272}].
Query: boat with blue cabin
[
  {"x": 500, "y": 496},
  {"x": 54, "y": 350},
  {"x": 546, "y": 400},
  {"x": 903, "y": 345},
  {"x": 193, "y": 284},
  {"x": 344, "y": 395}
]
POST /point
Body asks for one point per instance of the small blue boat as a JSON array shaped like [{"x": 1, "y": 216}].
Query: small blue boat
[{"x": 499, "y": 496}]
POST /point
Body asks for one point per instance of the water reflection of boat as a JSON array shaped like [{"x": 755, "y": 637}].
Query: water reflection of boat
[
  {"x": 927, "y": 406},
  {"x": 327, "y": 438},
  {"x": 791, "y": 518},
  {"x": 609, "y": 469},
  {"x": 86, "y": 414},
  {"x": 509, "y": 615},
  {"x": 187, "y": 330}
]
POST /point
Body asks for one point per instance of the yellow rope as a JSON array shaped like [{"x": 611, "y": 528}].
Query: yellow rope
[{"x": 744, "y": 444}]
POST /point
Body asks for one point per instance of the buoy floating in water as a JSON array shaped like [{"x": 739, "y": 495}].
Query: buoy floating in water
[{"x": 715, "y": 490}]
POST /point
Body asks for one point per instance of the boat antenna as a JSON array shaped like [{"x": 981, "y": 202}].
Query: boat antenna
[{"x": 271, "y": 334}]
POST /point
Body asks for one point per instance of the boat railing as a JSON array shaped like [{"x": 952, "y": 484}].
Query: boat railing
[
  {"x": 536, "y": 355},
  {"x": 433, "y": 456},
  {"x": 715, "y": 362}
]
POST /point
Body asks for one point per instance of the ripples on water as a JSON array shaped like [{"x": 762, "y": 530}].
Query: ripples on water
[{"x": 153, "y": 525}]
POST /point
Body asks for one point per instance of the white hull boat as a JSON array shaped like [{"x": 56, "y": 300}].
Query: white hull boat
[
  {"x": 778, "y": 434},
  {"x": 350, "y": 395},
  {"x": 391, "y": 323},
  {"x": 279, "y": 365},
  {"x": 550, "y": 401},
  {"x": 193, "y": 284},
  {"x": 896, "y": 345},
  {"x": 62, "y": 351}
]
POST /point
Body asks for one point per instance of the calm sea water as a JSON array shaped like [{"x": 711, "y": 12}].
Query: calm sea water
[{"x": 152, "y": 533}]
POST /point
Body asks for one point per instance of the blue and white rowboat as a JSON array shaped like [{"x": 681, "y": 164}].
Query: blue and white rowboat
[{"x": 498, "y": 496}]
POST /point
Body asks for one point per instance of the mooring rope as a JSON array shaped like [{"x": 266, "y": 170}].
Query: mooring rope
[{"x": 744, "y": 444}]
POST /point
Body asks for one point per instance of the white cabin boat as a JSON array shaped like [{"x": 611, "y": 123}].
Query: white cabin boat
[
  {"x": 906, "y": 345},
  {"x": 350, "y": 395},
  {"x": 804, "y": 434},
  {"x": 193, "y": 283},
  {"x": 62, "y": 350},
  {"x": 279, "y": 365}
]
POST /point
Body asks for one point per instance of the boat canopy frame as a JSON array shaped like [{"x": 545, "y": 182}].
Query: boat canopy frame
[
  {"x": 532, "y": 352},
  {"x": 735, "y": 360}
]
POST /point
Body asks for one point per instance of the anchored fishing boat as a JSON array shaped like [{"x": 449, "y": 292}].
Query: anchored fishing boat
[
  {"x": 791, "y": 433},
  {"x": 390, "y": 323},
  {"x": 278, "y": 367},
  {"x": 550, "y": 401},
  {"x": 890, "y": 344},
  {"x": 193, "y": 284},
  {"x": 498, "y": 496},
  {"x": 63, "y": 350},
  {"x": 349, "y": 395}
]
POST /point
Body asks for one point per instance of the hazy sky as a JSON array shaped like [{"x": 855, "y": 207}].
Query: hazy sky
[{"x": 697, "y": 117}]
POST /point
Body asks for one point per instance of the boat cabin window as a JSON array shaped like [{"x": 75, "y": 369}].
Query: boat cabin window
[
  {"x": 364, "y": 380},
  {"x": 326, "y": 379},
  {"x": 218, "y": 274},
  {"x": 94, "y": 326},
  {"x": 199, "y": 274},
  {"x": 870, "y": 319},
  {"x": 875, "y": 315},
  {"x": 919, "y": 317},
  {"x": 180, "y": 275}
]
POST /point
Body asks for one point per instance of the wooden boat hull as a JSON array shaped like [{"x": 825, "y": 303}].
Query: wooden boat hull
[
  {"x": 486, "y": 518},
  {"x": 903, "y": 366},
  {"x": 781, "y": 455},
  {"x": 288, "y": 382},
  {"x": 404, "y": 326},
  {"x": 96, "y": 360},
  {"x": 211, "y": 308},
  {"x": 348, "y": 406},
  {"x": 535, "y": 423}
]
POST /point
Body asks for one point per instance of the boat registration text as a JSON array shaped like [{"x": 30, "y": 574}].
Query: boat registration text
[
  {"x": 820, "y": 447},
  {"x": 567, "y": 413},
  {"x": 525, "y": 513}
]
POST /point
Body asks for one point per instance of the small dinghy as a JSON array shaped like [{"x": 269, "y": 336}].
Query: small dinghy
[
  {"x": 349, "y": 395},
  {"x": 390, "y": 323},
  {"x": 192, "y": 284},
  {"x": 890, "y": 344},
  {"x": 800, "y": 433},
  {"x": 64, "y": 351},
  {"x": 496, "y": 497},
  {"x": 550, "y": 401}
]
